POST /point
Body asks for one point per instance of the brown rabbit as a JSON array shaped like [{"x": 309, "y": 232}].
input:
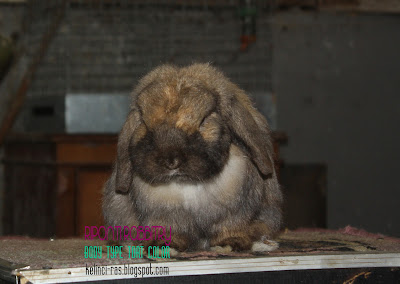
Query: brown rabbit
[{"x": 195, "y": 156}]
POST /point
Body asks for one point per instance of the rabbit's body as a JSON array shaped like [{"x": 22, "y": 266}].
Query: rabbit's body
[{"x": 182, "y": 165}]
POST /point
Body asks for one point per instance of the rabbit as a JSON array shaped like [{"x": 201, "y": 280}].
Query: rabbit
[{"x": 195, "y": 156}]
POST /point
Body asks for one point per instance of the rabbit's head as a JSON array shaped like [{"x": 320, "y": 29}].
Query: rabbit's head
[{"x": 181, "y": 125}]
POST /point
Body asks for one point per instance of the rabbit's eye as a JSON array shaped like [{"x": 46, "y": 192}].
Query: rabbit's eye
[
  {"x": 207, "y": 119},
  {"x": 210, "y": 116},
  {"x": 203, "y": 121},
  {"x": 210, "y": 127}
]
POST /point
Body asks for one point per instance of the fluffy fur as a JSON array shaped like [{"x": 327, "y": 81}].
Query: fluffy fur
[{"x": 196, "y": 156}]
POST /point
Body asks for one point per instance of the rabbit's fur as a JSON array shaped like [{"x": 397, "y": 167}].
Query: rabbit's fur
[{"x": 196, "y": 156}]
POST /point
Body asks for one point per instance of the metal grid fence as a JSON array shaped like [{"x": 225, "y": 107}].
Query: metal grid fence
[{"x": 105, "y": 46}]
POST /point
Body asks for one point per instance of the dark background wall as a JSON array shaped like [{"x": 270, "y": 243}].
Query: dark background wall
[{"x": 337, "y": 79}]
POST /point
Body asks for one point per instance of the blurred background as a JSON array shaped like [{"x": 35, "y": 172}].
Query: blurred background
[{"x": 325, "y": 73}]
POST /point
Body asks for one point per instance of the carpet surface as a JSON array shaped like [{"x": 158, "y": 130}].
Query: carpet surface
[{"x": 63, "y": 253}]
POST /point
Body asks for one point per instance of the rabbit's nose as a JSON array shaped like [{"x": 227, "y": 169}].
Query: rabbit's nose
[{"x": 173, "y": 163}]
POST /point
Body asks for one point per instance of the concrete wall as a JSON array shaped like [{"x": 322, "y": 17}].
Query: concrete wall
[{"x": 337, "y": 79}]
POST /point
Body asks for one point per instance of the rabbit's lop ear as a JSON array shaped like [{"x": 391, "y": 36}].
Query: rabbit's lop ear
[
  {"x": 251, "y": 130},
  {"x": 123, "y": 167}
]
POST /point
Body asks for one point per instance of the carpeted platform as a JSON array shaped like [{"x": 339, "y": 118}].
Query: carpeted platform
[
  {"x": 68, "y": 253},
  {"x": 62, "y": 261}
]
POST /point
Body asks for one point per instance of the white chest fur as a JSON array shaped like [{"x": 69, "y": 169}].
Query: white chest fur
[{"x": 220, "y": 191}]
